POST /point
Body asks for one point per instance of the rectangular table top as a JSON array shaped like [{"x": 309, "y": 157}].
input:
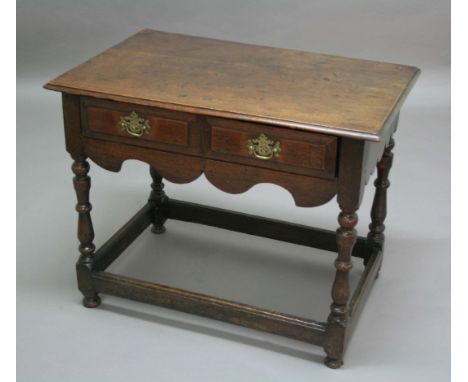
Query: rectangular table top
[{"x": 289, "y": 88}]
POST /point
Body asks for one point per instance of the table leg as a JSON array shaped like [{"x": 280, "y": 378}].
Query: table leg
[
  {"x": 346, "y": 237},
  {"x": 82, "y": 185},
  {"x": 157, "y": 199},
  {"x": 376, "y": 236}
]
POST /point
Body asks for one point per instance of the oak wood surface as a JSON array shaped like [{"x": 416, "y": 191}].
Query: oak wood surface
[
  {"x": 170, "y": 130},
  {"x": 336, "y": 95},
  {"x": 234, "y": 178},
  {"x": 302, "y": 152},
  {"x": 162, "y": 130},
  {"x": 302, "y": 329}
]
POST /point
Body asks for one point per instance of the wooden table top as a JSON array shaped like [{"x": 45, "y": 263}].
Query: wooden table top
[{"x": 329, "y": 94}]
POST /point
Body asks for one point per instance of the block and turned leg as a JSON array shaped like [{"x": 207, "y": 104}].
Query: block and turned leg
[
  {"x": 82, "y": 185},
  {"x": 337, "y": 321},
  {"x": 376, "y": 237},
  {"x": 350, "y": 190},
  {"x": 157, "y": 199}
]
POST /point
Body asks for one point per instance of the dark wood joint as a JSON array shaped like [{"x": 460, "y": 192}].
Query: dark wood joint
[
  {"x": 351, "y": 174},
  {"x": 72, "y": 125}
]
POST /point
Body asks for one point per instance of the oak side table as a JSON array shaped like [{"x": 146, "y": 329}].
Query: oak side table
[{"x": 314, "y": 124}]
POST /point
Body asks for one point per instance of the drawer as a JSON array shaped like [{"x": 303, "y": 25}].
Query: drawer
[
  {"x": 277, "y": 148},
  {"x": 140, "y": 126}
]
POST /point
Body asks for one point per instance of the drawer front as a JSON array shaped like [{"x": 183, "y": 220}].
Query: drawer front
[
  {"x": 140, "y": 126},
  {"x": 270, "y": 147}
]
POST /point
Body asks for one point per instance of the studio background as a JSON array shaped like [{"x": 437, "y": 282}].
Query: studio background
[{"x": 403, "y": 333}]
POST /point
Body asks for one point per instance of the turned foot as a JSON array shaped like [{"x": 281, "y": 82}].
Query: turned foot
[
  {"x": 333, "y": 363},
  {"x": 92, "y": 302},
  {"x": 158, "y": 230}
]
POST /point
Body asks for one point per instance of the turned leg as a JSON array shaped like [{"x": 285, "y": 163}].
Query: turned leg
[
  {"x": 82, "y": 185},
  {"x": 346, "y": 237},
  {"x": 157, "y": 198},
  {"x": 376, "y": 237}
]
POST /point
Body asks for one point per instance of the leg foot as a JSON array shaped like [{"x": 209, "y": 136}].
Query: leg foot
[
  {"x": 92, "y": 302},
  {"x": 158, "y": 230},
  {"x": 333, "y": 363},
  {"x": 337, "y": 321},
  {"x": 82, "y": 185}
]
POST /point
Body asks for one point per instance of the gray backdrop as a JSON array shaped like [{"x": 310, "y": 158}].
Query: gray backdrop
[{"x": 403, "y": 333}]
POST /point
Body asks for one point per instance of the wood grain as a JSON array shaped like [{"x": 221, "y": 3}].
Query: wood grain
[
  {"x": 169, "y": 130},
  {"x": 302, "y": 152},
  {"x": 337, "y": 95},
  {"x": 228, "y": 177},
  {"x": 213, "y": 307}
]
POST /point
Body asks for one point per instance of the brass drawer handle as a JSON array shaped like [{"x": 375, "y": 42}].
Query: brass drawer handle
[
  {"x": 263, "y": 147},
  {"x": 135, "y": 125}
]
